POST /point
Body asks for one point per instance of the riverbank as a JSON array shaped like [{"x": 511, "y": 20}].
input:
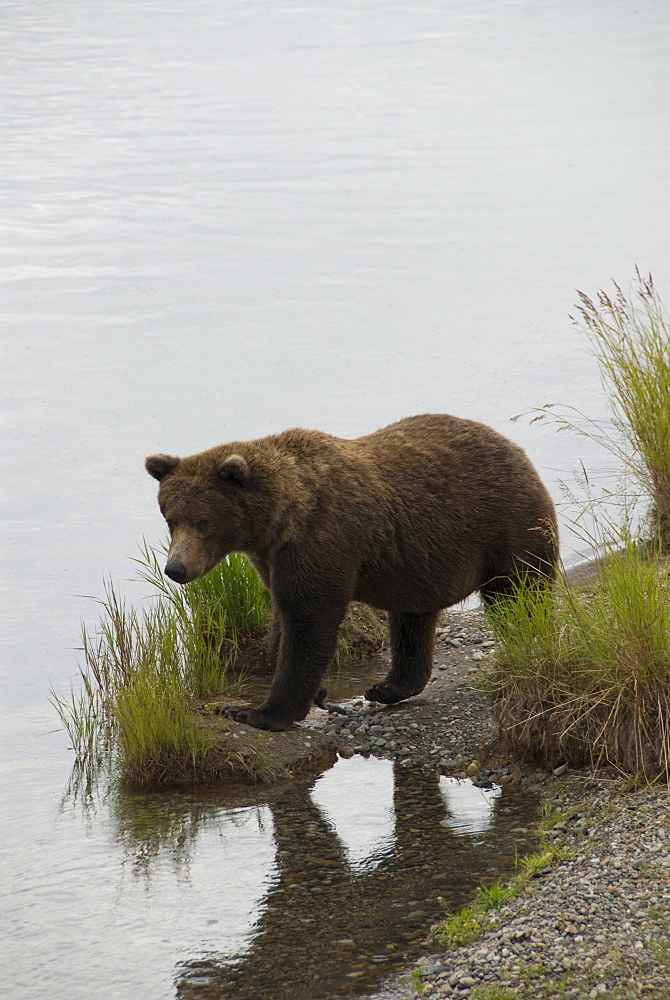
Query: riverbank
[{"x": 596, "y": 924}]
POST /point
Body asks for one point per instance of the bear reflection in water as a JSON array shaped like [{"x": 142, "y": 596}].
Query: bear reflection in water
[
  {"x": 333, "y": 925},
  {"x": 410, "y": 519}
]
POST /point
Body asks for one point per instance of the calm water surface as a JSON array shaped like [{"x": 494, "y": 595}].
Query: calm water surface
[{"x": 225, "y": 218}]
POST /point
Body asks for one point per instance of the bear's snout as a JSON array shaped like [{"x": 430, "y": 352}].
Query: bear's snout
[{"x": 175, "y": 569}]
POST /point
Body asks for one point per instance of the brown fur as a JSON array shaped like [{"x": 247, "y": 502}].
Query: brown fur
[{"x": 412, "y": 518}]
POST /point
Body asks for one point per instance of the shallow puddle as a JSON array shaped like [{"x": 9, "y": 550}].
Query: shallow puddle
[{"x": 363, "y": 855}]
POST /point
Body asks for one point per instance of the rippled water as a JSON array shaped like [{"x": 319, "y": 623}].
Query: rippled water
[{"x": 225, "y": 218}]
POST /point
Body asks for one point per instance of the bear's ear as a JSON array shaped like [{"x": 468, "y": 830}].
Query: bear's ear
[
  {"x": 236, "y": 468},
  {"x": 158, "y": 466}
]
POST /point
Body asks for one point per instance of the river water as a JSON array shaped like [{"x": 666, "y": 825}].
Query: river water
[{"x": 227, "y": 217}]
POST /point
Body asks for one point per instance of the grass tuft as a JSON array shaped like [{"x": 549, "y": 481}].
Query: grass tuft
[
  {"x": 142, "y": 668},
  {"x": 492, "y": 897},
  {"x": 585, "y": 678},
  {"x": 545, "y": 859},
  {"x": 214, "y": 617},
  {"x": 158, "y": 736},
  {"x": 461, "y": 928},
  {"x": 629, "y": 337},
  {"x": 416, "y": 976}
]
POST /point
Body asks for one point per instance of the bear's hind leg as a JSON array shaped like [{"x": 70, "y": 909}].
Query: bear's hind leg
[{"x": 412, "y": 642}]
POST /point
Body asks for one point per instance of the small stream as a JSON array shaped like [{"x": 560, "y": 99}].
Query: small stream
[{"x": 315, "y": 888}]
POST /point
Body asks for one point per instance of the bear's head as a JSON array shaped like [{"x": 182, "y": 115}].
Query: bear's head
[{"x": 202, "y": 499}]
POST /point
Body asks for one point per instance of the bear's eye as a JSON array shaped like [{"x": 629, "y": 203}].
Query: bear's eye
[{"x": 202, "y": 525}]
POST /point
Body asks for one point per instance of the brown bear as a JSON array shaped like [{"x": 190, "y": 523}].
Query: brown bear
[{"x": 411, "y": 519}]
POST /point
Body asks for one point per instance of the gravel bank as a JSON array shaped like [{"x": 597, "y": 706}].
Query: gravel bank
[
  {"x": 447, "y": 727},
  {"x": 596, "y": 925}
]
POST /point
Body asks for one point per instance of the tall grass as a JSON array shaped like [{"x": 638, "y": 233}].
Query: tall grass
[
  {"x": 158, "y": 735},
  {"x": 214, "y": 616},
  {"x": 142, "y": 667},
  {"x": 585, "y": 677},
  {"x": 630, "y": 339}
]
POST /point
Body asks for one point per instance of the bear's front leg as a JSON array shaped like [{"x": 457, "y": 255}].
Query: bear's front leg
[
  {"x": 274, "y": 640},
  {"x": 306, "y": 646},
  {"x": 412, "y": 643}
]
